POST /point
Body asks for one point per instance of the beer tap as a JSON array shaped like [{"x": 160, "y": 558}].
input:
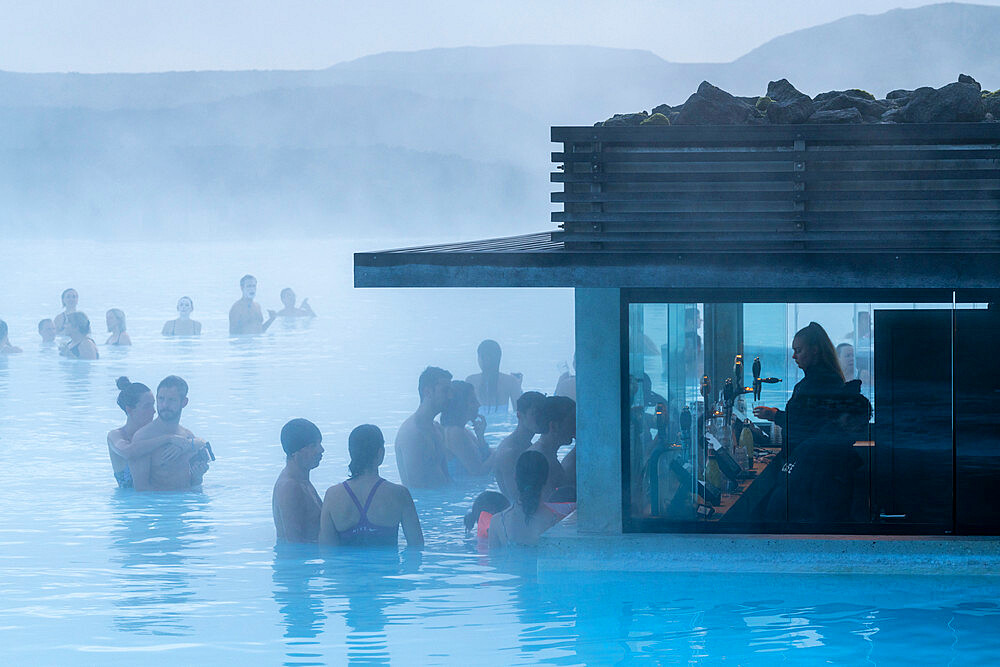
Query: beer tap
[
  {"x": 756, "y": 378},
  {"x": 686, "y": 426}
]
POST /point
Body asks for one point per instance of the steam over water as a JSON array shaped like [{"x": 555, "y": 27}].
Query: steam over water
[{"x": 94, "y": 575}]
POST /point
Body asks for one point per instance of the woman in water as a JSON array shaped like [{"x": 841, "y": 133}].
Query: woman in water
[
  {"x": 5, "y": 346},
  {"x": 289, "y": 310},
  {"x": 80, "y": 345},
  {"x": 69, "y": 301},
  {"x": 183, "y": 325},
  {"x": 524, "y": 522},
  {"x": 495, "y": 390},
  {"x": 136, "y": 400},
  {"x": 116, "y": 325},
  {"x": 467, "y": 450},
  {"x": 346, "y": 521}
]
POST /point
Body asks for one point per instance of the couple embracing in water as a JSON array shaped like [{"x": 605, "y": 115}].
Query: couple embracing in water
[{"x": 158, "y": 454}]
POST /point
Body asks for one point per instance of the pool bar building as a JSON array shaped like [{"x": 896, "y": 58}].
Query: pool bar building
[{"x": 696, "y": 253}]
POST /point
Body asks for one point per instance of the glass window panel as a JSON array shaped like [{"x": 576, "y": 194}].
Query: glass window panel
[{"x": 698, "y": 455}]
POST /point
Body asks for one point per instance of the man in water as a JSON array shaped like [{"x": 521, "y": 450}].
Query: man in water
[
  {"x": 557, "y": 424},
  {"x": 47, "y": 330},
  {"x": 245, "y": 317},
  {"x": 513, "y": 445},
  {"x": 420, "y": 450},
  {"x": 158, "y": 471},
  {"x": 295, "y": 503}
]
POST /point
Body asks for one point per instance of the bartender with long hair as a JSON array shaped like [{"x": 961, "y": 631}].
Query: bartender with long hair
[{"x": 822, "y": 420}]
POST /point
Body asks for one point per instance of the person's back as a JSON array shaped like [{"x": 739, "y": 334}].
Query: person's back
[
  {"x": 367, "y": 510},
  {"x": 524, "y": 522},
  {"x": 494, "y": 390}
]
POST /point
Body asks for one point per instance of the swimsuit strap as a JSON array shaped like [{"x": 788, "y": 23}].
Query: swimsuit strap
[
  {"x": 371, "y": 496},
  {"x": 355, "y": 499},
  {"x": 368, "y": 503}
]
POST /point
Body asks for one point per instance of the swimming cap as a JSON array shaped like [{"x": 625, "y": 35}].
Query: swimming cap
[{"x": 299, "y": 433}]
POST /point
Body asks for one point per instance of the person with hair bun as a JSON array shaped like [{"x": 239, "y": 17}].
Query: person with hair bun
[
  {"x": 295, "y": 502},
  {"x": 524, "y": 522},
  {"x": 136, "y": 401},
  {"x": 80, "y": 345},
  {"x": 345, "y": 521}
]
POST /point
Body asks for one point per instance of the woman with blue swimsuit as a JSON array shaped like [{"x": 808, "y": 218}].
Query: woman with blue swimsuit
[{"x": 344, "y": 521}]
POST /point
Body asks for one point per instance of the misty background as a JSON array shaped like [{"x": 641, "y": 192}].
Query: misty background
[{"x": 437, "y": 143}]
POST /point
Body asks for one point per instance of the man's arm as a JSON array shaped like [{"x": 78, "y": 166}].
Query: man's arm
[
  {"x": 289, "y": 502},
  {"x": 235, "y": 325}
]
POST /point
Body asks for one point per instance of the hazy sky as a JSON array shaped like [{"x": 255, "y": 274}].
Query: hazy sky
[{"x": 158, "y": 35}]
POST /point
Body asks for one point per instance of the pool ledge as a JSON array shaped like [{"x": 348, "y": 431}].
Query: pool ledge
[{"x": 565, "y": 549}]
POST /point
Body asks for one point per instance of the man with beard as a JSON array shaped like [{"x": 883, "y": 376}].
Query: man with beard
[
  {"x": 157, "y": 471},
  {"x": 421, "y": 456},
  {"x": 245, "y": 317}
]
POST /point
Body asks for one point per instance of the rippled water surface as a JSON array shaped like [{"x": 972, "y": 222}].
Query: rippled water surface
[{"x": 94, "y": 575}]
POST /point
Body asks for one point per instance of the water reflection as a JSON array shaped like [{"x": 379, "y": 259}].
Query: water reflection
[
  {"x": 156, "y": 538},
  {"x": 360, "y": 586},
  {"x": 297, "y": 575}
]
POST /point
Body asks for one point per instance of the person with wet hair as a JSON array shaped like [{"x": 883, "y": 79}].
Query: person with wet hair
[
  {"x": 528, "y": 518},
  {"x": 80, "y": 344},
  {"x": 289, "y": 310},
  {"x": 5, "y": 345},
  {"x": 70, "y": 298},
  {"x": 183, "y": 325},
  {"x": 486, "y": 505},
  {"x": 468, "y": 453},
  {"x": 421, "y": 456},
  {"x": 136, "y": 401},
  {"x": 245, "y": 317},
  {"x": 47, "y": 330},
  {"x": 115, "y": 318},
  {"x": 345, "y": 521},
  {"x": 495, "y": 390},
  {"x": 510, "y": 448},
  {"x": 557, "y": 427},
  {"x": 157, "y": 471},
  {"x": 295, "y": 502}
]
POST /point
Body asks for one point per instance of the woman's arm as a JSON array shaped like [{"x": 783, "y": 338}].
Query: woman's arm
[
  {"x": 327, "y": 531},
  {"x": 464, "y": 447},
  {"x": 178, "y": 445},
  {"x": 411, "y": 522},
  {"x": 197, "y": 328},
  {"x": 124, "y": 339}
]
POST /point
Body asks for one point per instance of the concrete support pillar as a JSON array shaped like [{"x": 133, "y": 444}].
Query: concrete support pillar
[{"x": 598, "y": 411}]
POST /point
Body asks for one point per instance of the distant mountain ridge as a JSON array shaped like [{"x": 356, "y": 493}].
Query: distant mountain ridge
[{"x": 339, "y": 150}]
